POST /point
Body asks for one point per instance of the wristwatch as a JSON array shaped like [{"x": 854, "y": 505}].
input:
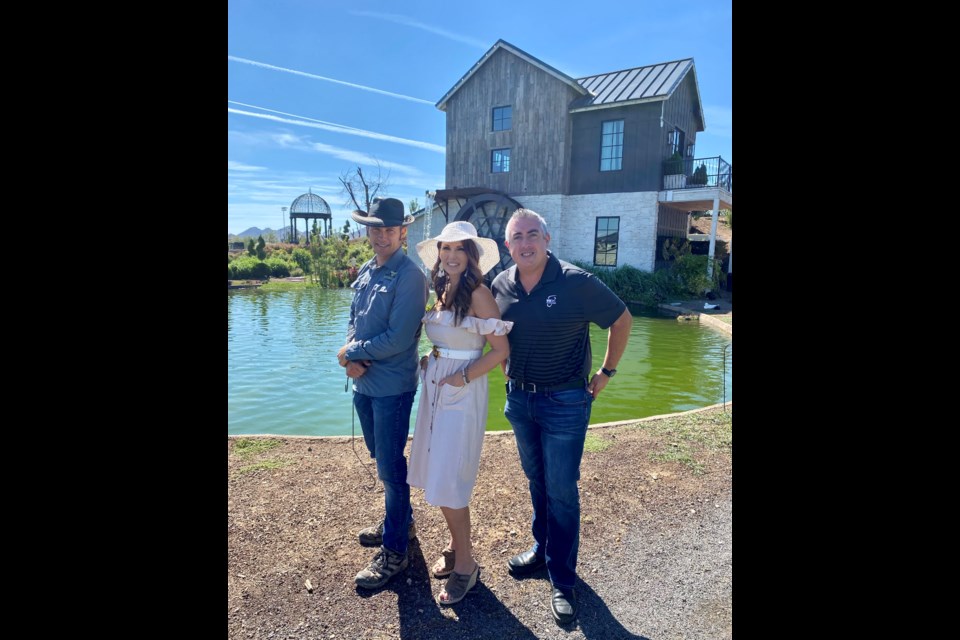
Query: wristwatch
[{"x": 608, "y": 372}]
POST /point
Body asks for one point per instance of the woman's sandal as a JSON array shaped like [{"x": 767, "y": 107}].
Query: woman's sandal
[
  {"x": 458, "y": 585},
  {"x": 443, "y": 567}
]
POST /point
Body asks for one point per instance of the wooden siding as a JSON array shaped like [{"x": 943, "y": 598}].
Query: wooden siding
[
  {"x": 538, "y": 139},
  {"x": 680, "y": 111},
  {"x": 644, "y": 146},
  {"x": 672, "y": 222}
]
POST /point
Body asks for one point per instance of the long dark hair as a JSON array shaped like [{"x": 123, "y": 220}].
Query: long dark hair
[{"x": 471, "y": 278}]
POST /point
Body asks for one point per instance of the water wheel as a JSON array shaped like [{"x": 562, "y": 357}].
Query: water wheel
[{"x": 489, "y": 213}]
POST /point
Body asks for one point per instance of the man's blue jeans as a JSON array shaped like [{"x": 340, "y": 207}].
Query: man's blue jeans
[
  {"x": 386, "y": 423},
  {"x": 550, "y": 429}
]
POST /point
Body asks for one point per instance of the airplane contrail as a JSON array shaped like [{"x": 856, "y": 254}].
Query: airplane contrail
[{"x": 316, "y": 77}]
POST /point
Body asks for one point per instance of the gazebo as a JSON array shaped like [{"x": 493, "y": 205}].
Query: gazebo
[{"x": 310, "y": 206}]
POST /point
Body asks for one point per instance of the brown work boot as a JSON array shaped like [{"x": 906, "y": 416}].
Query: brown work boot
[
  {"x": 384, "y": 566},
  {"x": 373, "y": 536}
]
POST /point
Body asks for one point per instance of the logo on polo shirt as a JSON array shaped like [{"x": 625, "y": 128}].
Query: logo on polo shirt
[{"x": 551, "y": 300}]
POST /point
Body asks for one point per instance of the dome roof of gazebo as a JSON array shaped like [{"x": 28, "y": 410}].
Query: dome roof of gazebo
[{"x": 309, "y": 203}]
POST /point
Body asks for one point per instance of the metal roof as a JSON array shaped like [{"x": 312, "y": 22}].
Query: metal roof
[
  {"x": 654, "y": 82},
  {"x": 651, "y": 83},
  {"x": 640, "y": 84}
]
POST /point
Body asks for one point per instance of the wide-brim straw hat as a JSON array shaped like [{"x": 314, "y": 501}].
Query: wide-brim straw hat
[
  {"x": 384, "y": 213},
  {"x": 457, "y": 232}
]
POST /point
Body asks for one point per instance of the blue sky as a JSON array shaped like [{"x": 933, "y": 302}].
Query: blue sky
[{"x": 315, "y": 88}]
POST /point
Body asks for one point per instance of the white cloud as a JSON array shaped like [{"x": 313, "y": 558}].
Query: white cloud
[
  {"x": 287, "y": 140},
  {"x": 357, "y": 157},
  {"x": 239, "y": 166},
  {"x": 316, "y": 77}
]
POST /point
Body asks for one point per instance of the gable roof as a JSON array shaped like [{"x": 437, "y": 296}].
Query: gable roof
[
  {"x": 633, "y": 86},
  {"x": 520, "y": 53},
  {"x": 651, "y": 83}
]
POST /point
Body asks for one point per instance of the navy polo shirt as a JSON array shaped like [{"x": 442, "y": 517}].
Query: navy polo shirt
[{"x": 550, "y": 339}]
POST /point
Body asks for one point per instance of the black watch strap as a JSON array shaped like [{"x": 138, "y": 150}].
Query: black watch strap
[{"x": 608, "y": 372}]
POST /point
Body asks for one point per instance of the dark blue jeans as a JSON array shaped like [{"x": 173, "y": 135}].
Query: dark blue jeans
[
  {"x": 550, "y": 429},
  {"x": 386, "y": 422}
]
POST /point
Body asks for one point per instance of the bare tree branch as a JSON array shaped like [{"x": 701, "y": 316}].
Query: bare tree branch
[{"x": 355, "y": 183}]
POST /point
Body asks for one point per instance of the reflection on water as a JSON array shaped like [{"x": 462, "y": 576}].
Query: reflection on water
[{"x": 283, "y": 376}]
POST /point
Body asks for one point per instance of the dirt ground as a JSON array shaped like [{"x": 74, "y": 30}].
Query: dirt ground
[
  {"x": 702, "y": 225},
  {"x": 654, "y": 559}
]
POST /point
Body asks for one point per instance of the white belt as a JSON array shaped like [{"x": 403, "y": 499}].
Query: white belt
[{"x": 456, "y": 354}]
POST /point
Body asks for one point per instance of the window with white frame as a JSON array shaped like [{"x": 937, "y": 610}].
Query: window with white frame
[{"x": 611, "y": 145}]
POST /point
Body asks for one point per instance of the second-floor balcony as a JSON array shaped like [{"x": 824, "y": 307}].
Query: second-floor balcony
[{"x": 698, "y": 173}]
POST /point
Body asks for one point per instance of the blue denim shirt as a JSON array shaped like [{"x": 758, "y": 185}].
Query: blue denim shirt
[{"x": 388, "y": 305}]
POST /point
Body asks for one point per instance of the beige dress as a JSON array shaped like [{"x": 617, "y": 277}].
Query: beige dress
[{"x": 448, "y": 435}]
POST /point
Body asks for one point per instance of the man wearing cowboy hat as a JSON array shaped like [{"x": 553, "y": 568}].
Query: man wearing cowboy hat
[{"x": 389, "y": 296}]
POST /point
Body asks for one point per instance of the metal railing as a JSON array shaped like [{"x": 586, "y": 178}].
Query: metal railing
[{"x": 698, "y": 173}]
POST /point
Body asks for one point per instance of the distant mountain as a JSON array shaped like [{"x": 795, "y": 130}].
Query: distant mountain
[
  {"x": 286, "y": 232},
  {"x": 254, "y": 232}
]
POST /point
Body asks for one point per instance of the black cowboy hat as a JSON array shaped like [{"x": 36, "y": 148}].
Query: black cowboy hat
[{"x": 387, "y": 212}]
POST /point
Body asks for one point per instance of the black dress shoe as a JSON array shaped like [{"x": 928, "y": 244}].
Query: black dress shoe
[
  {"x": 525, "y": 563},
  {"x": 564, "y": 606}
]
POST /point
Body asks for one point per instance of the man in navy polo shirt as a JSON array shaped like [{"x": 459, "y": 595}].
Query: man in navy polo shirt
[
  {"x": 390, "y": 294},
  {"x": 550, "y": 390}
]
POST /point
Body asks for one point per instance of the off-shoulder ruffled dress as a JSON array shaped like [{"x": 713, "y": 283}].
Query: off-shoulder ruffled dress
[{"x": 448, "y": 435}]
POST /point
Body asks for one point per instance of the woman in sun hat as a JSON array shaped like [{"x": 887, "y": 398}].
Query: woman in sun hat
[{"x": 452, "y": 416}]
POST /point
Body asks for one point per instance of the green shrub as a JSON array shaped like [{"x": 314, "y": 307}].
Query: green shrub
[
  {"x": 690, "y": 272},
  {"x": 247, "y": 268},
  {"x": 302, "y": 258},
  {"x": 261, "y": 271},
  {"x": 674, "y": 165},
  {"x": 278, "y": 268},
  {"x": 699, "y": 176},
  {"x": 674, "y": 249},
  {"x": 633, "y": 285},
  {"x": 241, "y": 268}
]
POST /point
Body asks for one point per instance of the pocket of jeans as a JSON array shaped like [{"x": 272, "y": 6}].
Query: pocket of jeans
[{"x": 571, "y": 397}]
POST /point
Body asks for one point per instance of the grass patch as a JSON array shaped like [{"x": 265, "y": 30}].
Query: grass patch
[
  {"x": 265, "y": 464},
  {"x": 595, "y": 444},
  {"x": 246, "y": 447},
  {"x": 683, "y": 435},
  {"x": 679, "y": 452}
]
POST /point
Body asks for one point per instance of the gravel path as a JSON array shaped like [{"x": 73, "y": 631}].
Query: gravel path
[{"x": 655, "y": 558}]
